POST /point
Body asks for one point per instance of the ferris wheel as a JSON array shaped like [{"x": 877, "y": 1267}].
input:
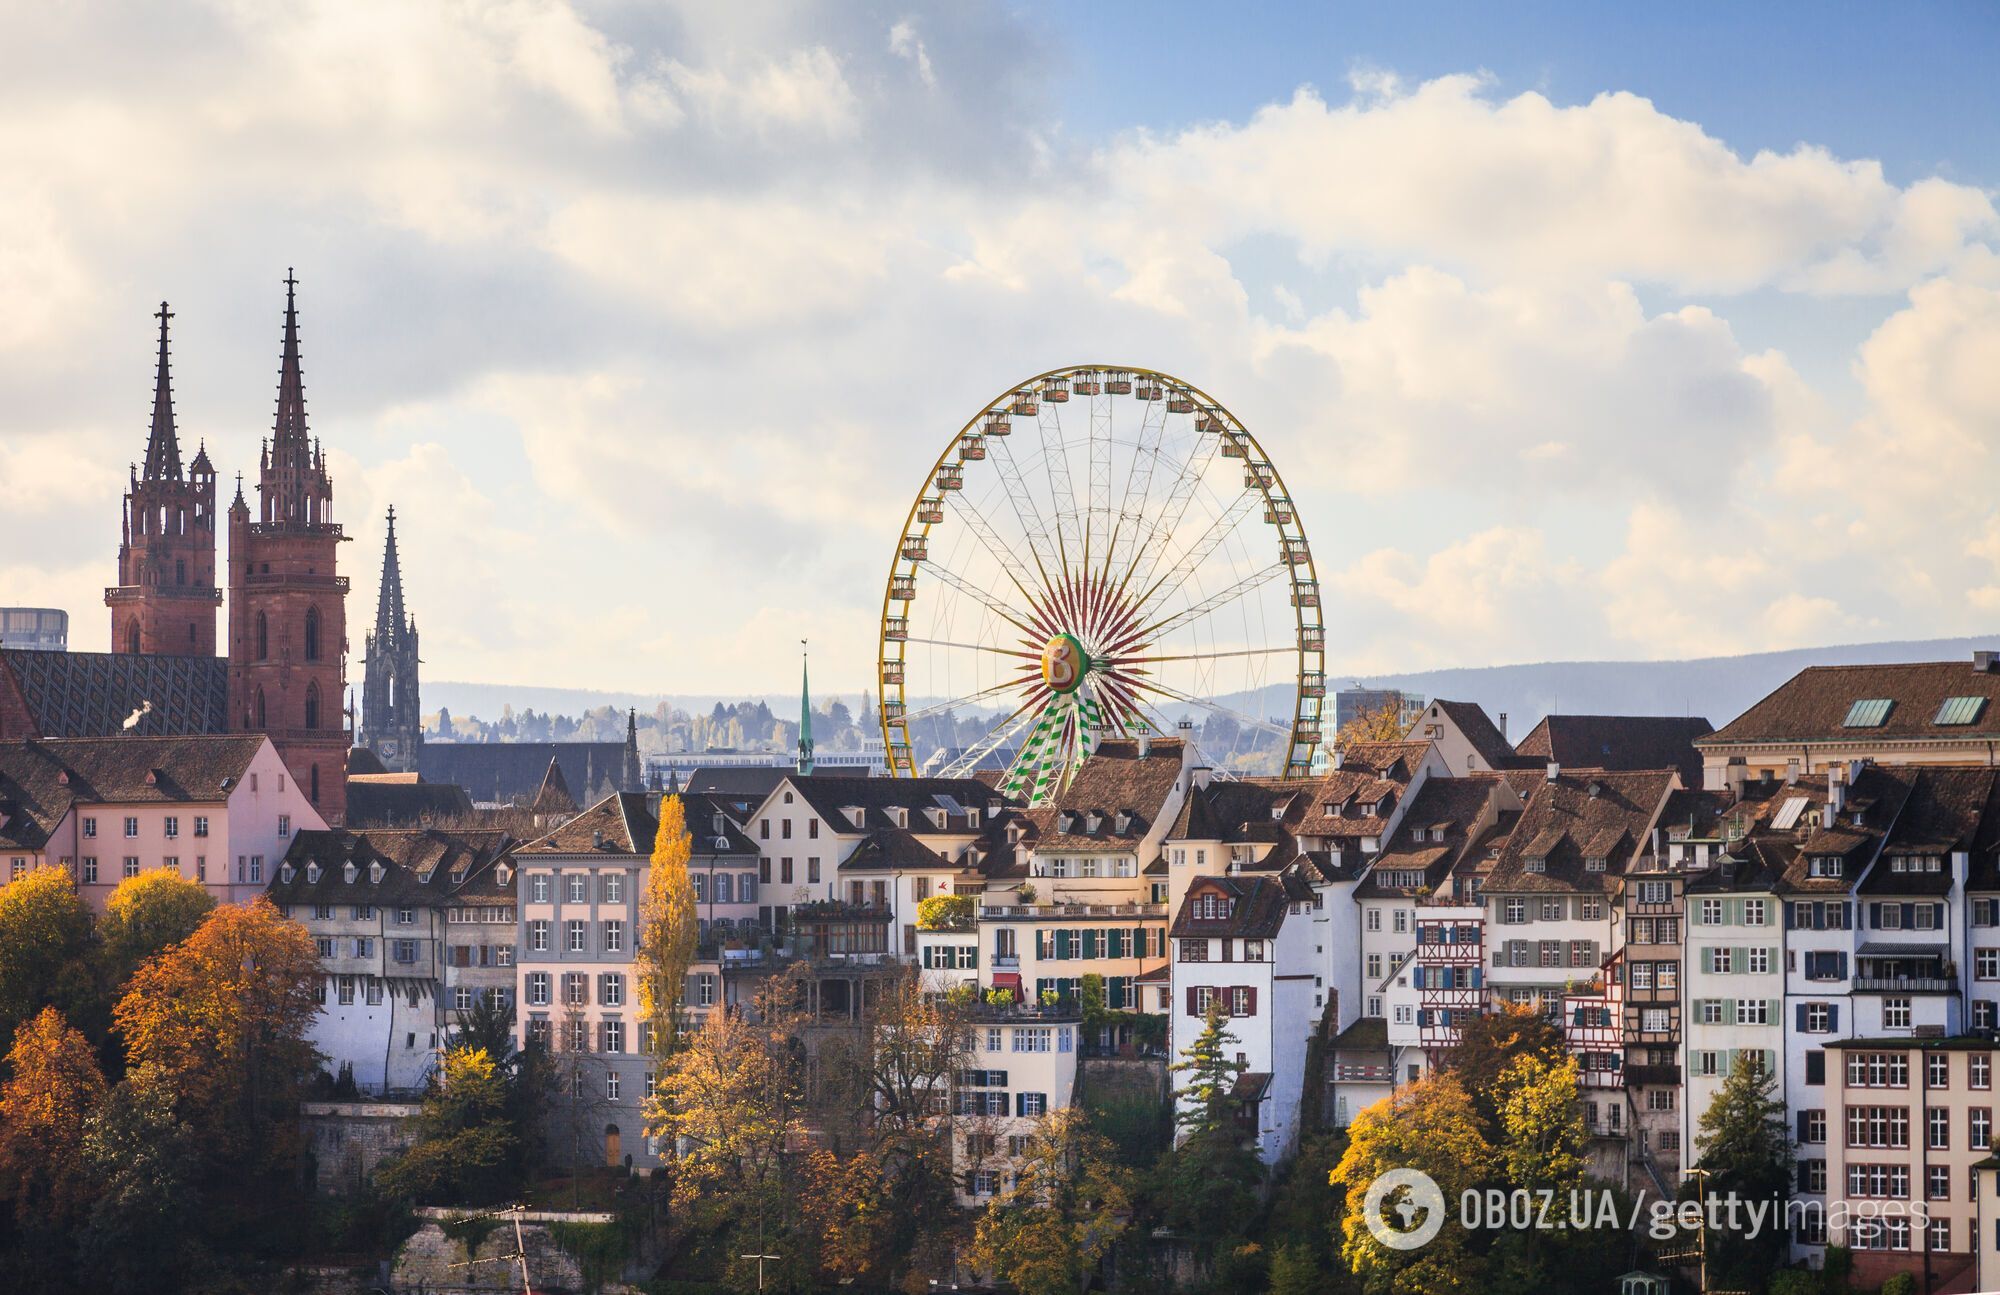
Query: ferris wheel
[{"x": 1100, "y": 552}]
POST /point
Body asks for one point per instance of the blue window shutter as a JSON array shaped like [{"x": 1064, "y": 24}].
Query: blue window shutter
[
  {"x": 1833, "y": 1017},
  {"x": 1802, "y": 1018}
]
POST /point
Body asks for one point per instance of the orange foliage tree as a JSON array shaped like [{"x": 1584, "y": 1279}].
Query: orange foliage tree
[
  {"x": 220, "y": 1020},
  {"x": 54, "y": 1088}
]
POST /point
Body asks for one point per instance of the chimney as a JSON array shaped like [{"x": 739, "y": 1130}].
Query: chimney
[
  {"x": 1554, "y": 771},
  {"x": 1982, "y": 662},
  {"x": 1145, "y": 743},
  {"x": 1202, "y": 773},
  {"x": 1734, "y": 777},
  {"x": 1339, "y": 758},
  {"x": 1836, "y": 791},
  {"x": 1792, "y": 772},
  {"x": 1503, "y": 725}
]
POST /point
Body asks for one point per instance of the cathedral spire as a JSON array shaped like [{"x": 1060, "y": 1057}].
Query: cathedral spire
[
  {"x": 805, "y": 713},
  {"x": 289, "y": 436},
  {"x": 163, "y": 446},
  {"x": 389, "y": 617}
]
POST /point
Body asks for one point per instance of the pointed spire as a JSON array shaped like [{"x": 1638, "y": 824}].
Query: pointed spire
[
  {"x": 163, "y": 446},
  {"x": 290, "y": 431},
  {"x": 389, "y": 615},
  {"x": 805, "y": 713},
  {"x": 555, "y": 796}
]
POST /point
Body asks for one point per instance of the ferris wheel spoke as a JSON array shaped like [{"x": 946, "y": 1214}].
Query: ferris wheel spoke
[
  {"x": 1153, "y": 686},
  {"x": 1210, "y": 605},
  {"x": 1139, "y": 482},
  {"x": 1023, "y": 500},
  {"x": 1017, "y": 573},
  {"x": 1196, "y": 554},
  {"x": 939, "y": 708},
  {"x": 1098, "y": 523},
  {"x": 1062, "y": 492},
  {"x": 1193, "y": 471},
  {"x": 998, "y": 735},
  {"x": 1126, "y": 662},
  {"x": 977, "y": 647}
]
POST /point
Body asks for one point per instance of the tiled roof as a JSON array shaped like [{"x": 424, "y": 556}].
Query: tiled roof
[
  {"x": 1579, "y": 815},
  {"x": 40, "y": 780},
  {"x": 1367, "y": 1034},
  {"x": 378, "y": 803},
  {"x": 1946, "y": 810},
  {"x": 1454, "y": 804},
  {"x": 506, "y": 772},
  {"x": 621, "y": 823},
  {"x": 1618, "y": 742},
  {"x": 1239, "y": 810},
  {"x": 421, "y": 865},
  {"x": 1479, "y": 729},
  {"x": 1340, "y": 802},
  {"x": 1813, "y": 704},
  {"x": 1115, "y": 779},
  {"x": 832, "y": 797},
  {"x": 1383, "y": 758},
  {"x": 554, "y": 796},
  {"x": 92, "y": 694},
  {"x": 1258, "y": 911}
]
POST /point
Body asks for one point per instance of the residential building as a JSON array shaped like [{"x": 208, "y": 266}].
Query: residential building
[
  {"x": 1617, "y": 742},
  {"x": 1466, "y": 737},
  {"x": 1022, "y": 1068}
]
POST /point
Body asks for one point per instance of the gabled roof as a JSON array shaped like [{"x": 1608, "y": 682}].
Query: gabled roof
[
  {"x": 420, "y": 865},
  {"x": 621, "y": 823},
  {"x": 1814, "y": 704},
  {"x": 702, "y": 813},
  {"x": 1946, "y": 810},
  {"x": 1581, "y": 814},
  {"x": 41, "y": 780},
  {"x": 1398, "y": 760},
  {"x": 512, "y": 772},
  {"x": 92, "y": 694},
  {"x": 1619, "y": 742},
  {"x": 832, "y": 797},
  {"x": 1115, "y": 779},
  {"x": 1479, "y": 729},
  {"x": 379, "y": 802},
  {"x": 554, "y": 796},
  {"x": 1341, "y": 801},
  {"x": 1451, "y": 804},
  {"x": 1239, "y": 810},
  {"x": 1258, "y": 910}
]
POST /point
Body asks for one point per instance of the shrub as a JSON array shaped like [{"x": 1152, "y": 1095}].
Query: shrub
[{"x": 946, "y": 913}]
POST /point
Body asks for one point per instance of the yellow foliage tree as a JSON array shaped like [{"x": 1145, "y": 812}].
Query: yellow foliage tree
[
  {"x": 1429, "y": 1126},
  {"x": 54, "y": 1088},
  {"x": 668, "y": 928},
  {"x": 147, "y": 914},
  {"x": 1383, "y": 724}
]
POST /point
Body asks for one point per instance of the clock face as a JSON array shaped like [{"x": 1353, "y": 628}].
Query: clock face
[{"x": 390, "y": 748}]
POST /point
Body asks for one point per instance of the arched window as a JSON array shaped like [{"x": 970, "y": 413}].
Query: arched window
[
  {"x": 261, "y": 723},
  {"x": 132, "y": 638},
  {"x": 263, "y": 644},
  {"x": 312, "y": 705},
  {"x": 312, "y": 636}
]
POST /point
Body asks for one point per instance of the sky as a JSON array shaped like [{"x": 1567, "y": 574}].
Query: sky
[{"x": 1578, "y": 332}]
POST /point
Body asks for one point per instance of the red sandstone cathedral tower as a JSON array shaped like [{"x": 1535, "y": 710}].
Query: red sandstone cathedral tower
[
  {"x": 165, "y": 599},
  {"x": 287, "y": 607}
]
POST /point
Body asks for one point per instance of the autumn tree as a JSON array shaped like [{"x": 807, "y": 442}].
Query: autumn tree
[
  {"x": 668, "y": 928},
  {"x": 1383, "y": 724},
  {"x": 1494, "y": 1040},
  {"x": 146, "y": 915},
  {"x": 465, "y": 1142},
  {"x": 219, "y": 1021},
  {"x": 53, "y": 1088},
  {"x": 1068, "y": 1205},
  {"x": 1539, "y": 1147},
  {"x": 1429, "y": 1126},
  {"x": 731, "y": 1102},
  {"x": 45, "y": 936},
  {"x": 144, "y": 1231}
]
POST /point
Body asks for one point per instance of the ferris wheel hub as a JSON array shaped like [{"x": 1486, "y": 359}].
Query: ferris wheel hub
[{"x": 1064, "y": 663}]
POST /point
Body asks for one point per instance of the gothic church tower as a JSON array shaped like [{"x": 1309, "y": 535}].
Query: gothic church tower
[
  {"x": 165, "y": 599},
  {"x": 392, "y": 723},
  {"x": 287, "y": 606}
]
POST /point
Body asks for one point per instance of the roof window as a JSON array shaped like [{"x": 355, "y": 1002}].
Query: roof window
[
  {"x": 1960, "y": 710},
  {"x": 1869, "y": 712}
]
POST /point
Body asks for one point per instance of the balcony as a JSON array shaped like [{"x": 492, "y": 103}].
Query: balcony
[
  {"x": 1657, "y": 1075},
  {"x": 1904, "y": 985},
  {"x": 1050, "y": 912},
  {"x": 1363, "y": 1074},
  {"x": 1005, "y": 962}
]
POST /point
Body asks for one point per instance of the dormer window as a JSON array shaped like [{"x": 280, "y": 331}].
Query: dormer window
[
  {"x": 1595, "y": 864},
  {"x": 286, "y": 872},
  {"x": 1092, "y": 822},
  {"x": 349, "y": 871},
  {"x": 504, "y": 874},
  {"x": 855, "y": 814},
  {"x": 1826, "y": 865},
  {"x": 1122, "y": 824},
  {"x": 720, "y": 830},
  {"x": 312, "y": 873},
  {"x": 375, "y": 871},
  {"x": 899, "y": 815},
  {"x": 1536, "y": 863}
]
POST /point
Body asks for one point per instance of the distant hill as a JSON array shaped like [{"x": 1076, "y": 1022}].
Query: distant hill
[{"x": 1718, "y": 688}]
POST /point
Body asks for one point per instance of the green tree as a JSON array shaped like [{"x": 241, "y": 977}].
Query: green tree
[
  {"x": 1429, "y": 1126},
  {"x": 465, "y": 1141},
  {"x": 1539, "y": 1148},
  {"x": 1210, "y": 1180},
  {"x": 668, "y": 928},
  {"x": 1069, "y": 1204},
  {"x": 45, "y": 932},
  {"x": 142, "y": 1235},
  {"x": 1742, "y": 1142},
  {"x": 1296, "y": 1271},
  {"x": 1493, "y": 1041},
  {"x": 145, "y": 915}
]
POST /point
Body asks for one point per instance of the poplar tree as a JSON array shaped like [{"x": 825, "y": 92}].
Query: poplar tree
[{"x": 667, "y": 928}]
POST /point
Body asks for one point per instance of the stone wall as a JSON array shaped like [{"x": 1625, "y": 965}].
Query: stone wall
[
  {"x": 437, "y": 1264},
  {"x": 349, "y": 1139}
]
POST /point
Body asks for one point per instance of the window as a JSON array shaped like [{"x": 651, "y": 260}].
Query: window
[
  {"x": 614, "y": 1036},
  {"x": 1036, "y": 1038},
  {"x": 1552, "y": 910},
  {"x": 578, "y": 937},
  {"x": 1982, "y": 1128},
  {"x": 1938, "y": 1188},
  {"x": 614, "y": 887},
  {"x": 406, "y": 917},
  {"x": 131, "y": 827},
  {"x": 131, "y": 865},
  {"x": 538, "y": 888},
  {"x": 612, "y": 991},
  {"x": 325, "y": 945},
  {"x": 201, "y": 825},
  {"x": 1937, "y": 1071},
  {"x": 1759, "y": 960},
  {"x": 256, "y": 868},
  {"x": 1895, "y": 1013},
  {"x": 171, "y": 826},
  {"x": 1980, "y": 1067},
  {"x": 1374, "y": 966},
  {"x": 611, "y": 1084},
  {"x": 1878, "y": 1070},
  {"x": 1402, "y": 921},
  {"x": 1878, "y": 1126},
  {"x": 90, "y": 828},
  {"x": 1593, "y": 908},
  {"x": 461, "y": 998},
  {"x": 1818, "y": 1018},
  {"x": 1194, "y": 950},
  {"x": 1753, "y": 912},
  {"x": 284, "y": 825},
  {"x": 347, "y": 991},
  {"x": 90, "y": 867},
  {"x": 1654, "y": 1020},
  {"x": 614, "y": 937},
  {"x": 364, "y": 947},
  {"x": 1937, "y": 1123},
  {"x": 1032, "y": 1104},
  {"x": 1753, "y": 1011},
  {"x": 1812, "y": 1126},
  {"x": 577, "y": 883},
  {"x": 576, "y": 989},
  {"x": 1722, "y": 961},
  {"x": 374, "y": 992}
]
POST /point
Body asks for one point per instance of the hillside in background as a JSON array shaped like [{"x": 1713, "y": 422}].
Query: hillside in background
[{"x": 1718, "y": 688}]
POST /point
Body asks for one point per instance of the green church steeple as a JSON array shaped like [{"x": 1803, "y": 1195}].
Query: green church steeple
[{"x": 805, "y": 714}]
